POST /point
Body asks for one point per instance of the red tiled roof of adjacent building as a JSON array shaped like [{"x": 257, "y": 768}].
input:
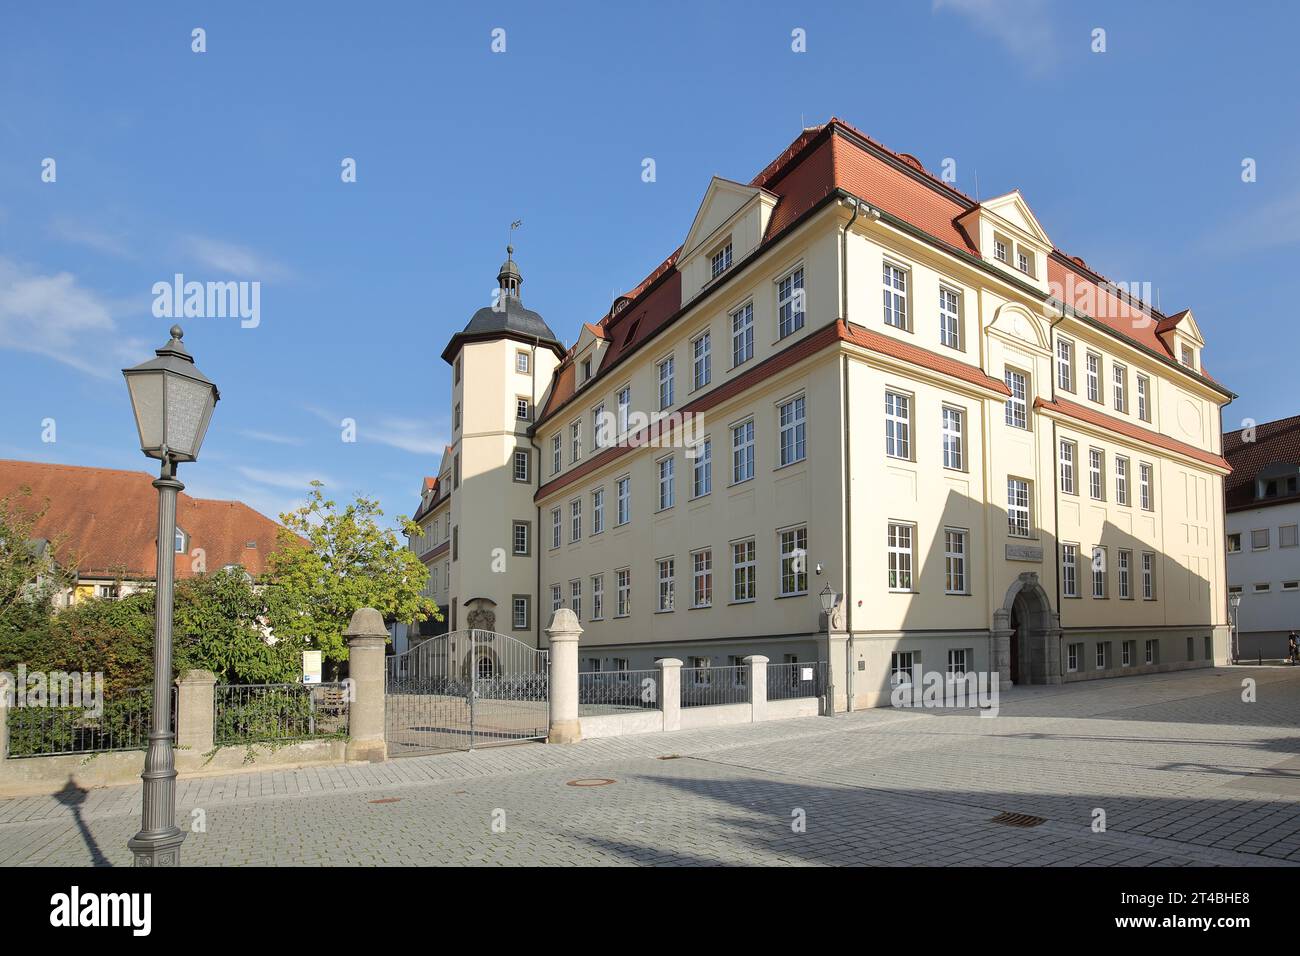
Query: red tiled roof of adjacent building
[
  {"x": 1119, "y": 426},
  {"x": 819, "y": 162},
  {"x": 105, "y": 521},
  {"x": 1273, "y": 443}
]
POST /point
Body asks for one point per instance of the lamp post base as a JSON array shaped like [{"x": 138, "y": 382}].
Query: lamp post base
[{"x": 157, "y": 849}]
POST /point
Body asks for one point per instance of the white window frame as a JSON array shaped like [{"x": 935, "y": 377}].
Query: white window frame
[
  {"x": 895, "y": 281},
  {"x": 1146, "y": 478},
  {"x": 701, "y": 360},
  {"x": 953, "y": 431},
  {"x": 557, "y": 453},
  {"x": 1066, "y": 455},
  {"x": 1148, "y": 576},
  {"x": 958, "y": 664},
  {"x": 900, "y": 549},
  {"x": 623, "y": 594},
  {"x": 1093, "y": 376},
  {"x": 742, "y": 334},
  {"x": 575, "y": 597},
  {"x": 575, "y": 441},
  {"x": 1100, "y": 573},
  {"x": 702, "y": 469},
  {"x": 898, "y": 424},
  {"x": 557, "y": 528},
  {"x": 789, "y": 293},
  {"x": 516, "y": 528},
  {"x": 744, "y": 571},
  {"x": 521, "y": 454},
  {"x": 720, "y": 260},
  {"x": 623, "y": 493},
  {"x": 1119, "y": 387},
  {"x": 598, "y": 511},
  {"x": 793, "y": 567},
  {"x": 1124, "y": 574},
  {"x": 667, "y": 473},
  {"x": 1065, "y": 364},
  {"x": 950, "y": 317},
  {"x": 1017, "y": 404},
  {"x": 1069, "y": 570},
  {"x": 1121, "y": 479},
  {"x": 1142, "y": 387},
  {"x": 702, "y": 578},
  {"x": 956, "y": 577},
  {"x": 598, "y": 597},
  {"x": 1097, "y": 474},
  {"x": 1020, "y": 507},
  {"x": 575, "y": 520},
  {"x": 742, "y": 451},
  {"x": 666, "y": 382},
  {"x": 792, "y": 431},
  {"x": 518, "y": 603},
  {"x": 666, "y": 570},
  {"x": 623, "y": 399}
]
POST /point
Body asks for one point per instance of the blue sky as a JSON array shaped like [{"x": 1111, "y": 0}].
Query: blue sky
[{"x": 226, "y": 165}]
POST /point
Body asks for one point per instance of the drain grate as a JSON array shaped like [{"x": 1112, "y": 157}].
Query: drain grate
[{"x": 1018, "y": 820}]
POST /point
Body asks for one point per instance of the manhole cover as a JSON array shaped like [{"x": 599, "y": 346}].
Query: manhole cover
[
  {"x": 385, "y": 800},
  {"x": 590, "y": 782},
  {"x": 1018, "y": 820}
]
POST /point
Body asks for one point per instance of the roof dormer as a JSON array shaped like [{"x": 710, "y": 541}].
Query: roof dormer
[
  {"x": 1009, "y": 237},
  {"x": 1182, "y": 336},
  {"x": 587, "y": 354},
  {"x": 728, "y": 226}
]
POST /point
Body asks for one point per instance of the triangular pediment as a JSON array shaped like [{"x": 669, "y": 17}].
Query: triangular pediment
[
  {"x": 1013, "y": 210},
  {"x": 722, "y": 200},
  {"x": 1185, "y": 323}
]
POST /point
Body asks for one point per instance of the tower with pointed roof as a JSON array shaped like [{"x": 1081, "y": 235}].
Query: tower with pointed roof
[{"x": 502, "y": 363}]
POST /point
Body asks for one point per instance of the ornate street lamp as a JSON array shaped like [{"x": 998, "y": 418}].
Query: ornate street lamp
[
  {"x": 172, "y": 401},
  {"x": 1234, "y": 604},
  {"x": 827, "y": 595}
]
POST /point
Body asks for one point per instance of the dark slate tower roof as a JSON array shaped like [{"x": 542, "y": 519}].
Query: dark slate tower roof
[{"x": 506, "y": 318}]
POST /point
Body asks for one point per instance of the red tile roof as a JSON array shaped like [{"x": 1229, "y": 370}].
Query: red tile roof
[
  {"x": 1119, "y": 426},
  {"x": 1274, "y": 443},
  {"x": 106, "y": 521},
  {"x": 820, "y": 161}
]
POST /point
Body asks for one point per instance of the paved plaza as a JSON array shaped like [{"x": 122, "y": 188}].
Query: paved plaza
[{"x": 1184, "y": 771}]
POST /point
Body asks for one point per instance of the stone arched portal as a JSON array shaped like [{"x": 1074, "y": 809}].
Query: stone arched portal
[{"x": 1026, "y": 617}]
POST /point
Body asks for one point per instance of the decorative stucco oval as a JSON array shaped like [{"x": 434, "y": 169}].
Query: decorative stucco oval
[{"x": 1189, "y": 418}]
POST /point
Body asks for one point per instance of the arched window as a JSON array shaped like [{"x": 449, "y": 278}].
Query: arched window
[{"x": 484, "y": 668}]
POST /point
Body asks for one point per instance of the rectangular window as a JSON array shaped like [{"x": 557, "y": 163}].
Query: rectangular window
[
  {"x": 898, "y": 425},
  {"x": 742, "y": 334},
  {"x": 521, "y": 362},
  {"x": 624, "y": 486},
  {"x": 586, "y": 369},
  {"x": 744, "y": 571},
  {"x": 720, "y": 261},
  {"x": 949, "y": 318},
  {"x": 597, "y": 597},
  {"x": 702, "y": 469},
  {"x": 1000, "y": 250},
  {"x": 895, "y": 296},
  {"x": 521, "y": 465},
  {"x": 666, "y": 383},
  {"x": 519, "y": 537},
  {"x": 456, "y": 423},
  {"x": 954, "y": 428},
  {"x": 1069, "y": 570},
  {"x": 1094, "y": 377},
  {"x": 575, "y": 519},
  {"x": 1144, "y": 398},
  {"x": 458, "y": 369},
  {"x": 957, "y": 664},
  {"x": 599, "y": 429},
  {"x": 665, "y": 584},
  {"x": 667, "y": 495},
  {"x": 701, "y": 361},
  {"x": 1126, "y": 650},
  {"x": 742, "y": 452},
  {"x": 624, "y": 407},
  {"x": 791, "y": 422},
  {"x": 522, "y": 409},
  {"x": 556, "y": 463},
  {"x": 1148, "y": 576},
  {"x": 1018, "y": 507},
  {"x": 702, "y": 578},
  {"x": 1124, "y": 561},
  {"x": 1098, "y": 571},
  {"x": 1065, "y": 364},
  {"x": 575, "y": 598},
  {"x": 1288, "y": 536},
  {"x": 902, "y": 667},
  {"x": 1017, "y": 405},
  {"x": 1022, "y": 261},
  {"x": 1073, "y": 653},
  {"x": 790, "y": 304},
  {"x": 1259, "y": 539},
  {"x": 1119, "y": 385},
  {"x": 1096, "y": 474},
  {"x": 794, "y": 561},
  {"x": 1103, "y": 651},
  {"x": 557, "y": 598},
  {"x": 1121, "y": 480},
  {"x": 898, "y": 544},
  {"x": 1263, "y": 588},
  {"x": 624, "y": 595},
  {"x": 575, "y": 441},
  {"x": 1234, "y": 542},
  {"x": 1144, "y": 486},
  {"x": 1186, "y": 356},
  {"x": 556, "y": 524},
  {"x": 520, "y": 612},
  {"x": 598, "y": 511},
  {"x": 954, "y": 557},
  {"x": 1151, "y": 647},
  {"x": 1068, "y": 453}
]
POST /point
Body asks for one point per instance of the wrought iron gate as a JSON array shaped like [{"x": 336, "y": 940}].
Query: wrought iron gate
[{"x": 466, "y": 689}]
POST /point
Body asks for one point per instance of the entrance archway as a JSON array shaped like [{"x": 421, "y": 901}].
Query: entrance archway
[{"x": 1026, "y": 645}]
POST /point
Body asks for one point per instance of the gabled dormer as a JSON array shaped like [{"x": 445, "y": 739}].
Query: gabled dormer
[
  {"x": 728, "y": 226},
  {"x": 588, "y": 353},
  {"x": 1010, "y": 237},
  {"x": 1182, "y": 336}
]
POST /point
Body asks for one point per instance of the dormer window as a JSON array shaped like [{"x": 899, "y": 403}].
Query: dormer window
[
  {"x": 1001, "y": 251},
  {"x": 1022, "y": 261},
  {"x": 720, "y": 261},
  {"x": 586, "y": 369},
  {"x": 1187, "y": 356},
  {"x": 1025, "y": 260}
]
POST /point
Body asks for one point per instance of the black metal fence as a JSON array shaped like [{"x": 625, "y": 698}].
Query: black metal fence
[
  {"x": 612, "y": 692},
  {"x": 788, "y": 681},
  {"x": 122, "y": 724},
  {"x": 709, "y": 686},
  {"x": 251, "y": 713}
]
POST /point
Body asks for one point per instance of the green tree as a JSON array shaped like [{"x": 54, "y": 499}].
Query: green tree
[
  {"x": 29, "y": 574},
  {"x": 349, "y": 562}
]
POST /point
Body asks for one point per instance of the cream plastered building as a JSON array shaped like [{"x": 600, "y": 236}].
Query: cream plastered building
[{"x": 851, "y": 377}]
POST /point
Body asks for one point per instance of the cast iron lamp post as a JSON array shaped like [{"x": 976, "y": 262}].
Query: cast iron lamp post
[
  {"x": 828, "y": 595},
  {"x": 1234, "y": 604},
  {"x": 172, "y": 402}
]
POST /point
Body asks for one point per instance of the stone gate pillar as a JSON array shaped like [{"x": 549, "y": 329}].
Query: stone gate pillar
[
  {"x": 367, "y": 641},
  {"x": 564, "y": 632}
]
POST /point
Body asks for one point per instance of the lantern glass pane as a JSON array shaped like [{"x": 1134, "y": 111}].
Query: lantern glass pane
[
  {"x": 146, "y": 390},
  {"x": 187, "y": 403}
]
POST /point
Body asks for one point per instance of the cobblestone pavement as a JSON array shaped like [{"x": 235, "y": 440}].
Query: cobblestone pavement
[{"x": 1184, "y": 771}]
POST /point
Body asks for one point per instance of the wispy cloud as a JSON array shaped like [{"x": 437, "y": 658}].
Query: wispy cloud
[
  {"x": 53, "y": 315},
  {"x": 407, "y": 434},
  {"x": 1023, "y": 27},
  {"x": 229, "y": 258},
  {"x": 291, "y": 480},
  {"x": 271, "y": 437},
  {"x": 80, "y": 234}
]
